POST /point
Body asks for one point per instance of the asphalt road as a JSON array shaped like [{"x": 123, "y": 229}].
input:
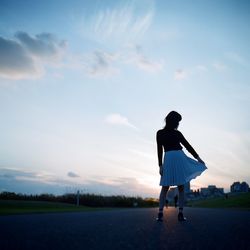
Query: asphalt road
[{"x": 127, "y": 229}]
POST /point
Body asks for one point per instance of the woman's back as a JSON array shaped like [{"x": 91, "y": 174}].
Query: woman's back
[{"x": 170, "y": 139}]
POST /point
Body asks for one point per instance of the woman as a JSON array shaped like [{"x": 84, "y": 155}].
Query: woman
[{"x": 177, "y": 169}]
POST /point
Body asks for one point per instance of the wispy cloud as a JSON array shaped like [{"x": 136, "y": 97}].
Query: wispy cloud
[
  {"x": 26, "y": 56},
  {"x": 100, "y": 63},
  {"x": 135, "y": 56},
  {"x": 117, "y": 119},
  {"x": 182, "y": 74},
  {"x": 120, "y": 23},
  {"x": 150, "y": 156}
]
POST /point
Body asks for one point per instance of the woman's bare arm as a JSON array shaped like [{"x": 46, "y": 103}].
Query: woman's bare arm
[
  {"x": 159, "y": 148},
  {"x": 160, "y": 152}
]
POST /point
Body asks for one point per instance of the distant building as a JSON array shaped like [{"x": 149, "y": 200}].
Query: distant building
[
  {"x": 239, "y": 187},
  {"x": 235, "y": 187},
  {"x": 244, "y": 187},
  {"x": 212, "y": 191}
]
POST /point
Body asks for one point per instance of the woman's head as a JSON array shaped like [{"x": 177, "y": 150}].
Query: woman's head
[{"x": 172, "y": 120}]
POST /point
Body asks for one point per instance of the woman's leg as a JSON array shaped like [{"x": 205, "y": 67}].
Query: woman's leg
[
  {"x": 181, "y": 203},
  {"x": 162, "y": 198},
  {"x": 162, "y": 201},
  {"x": 181, "y": 197}
]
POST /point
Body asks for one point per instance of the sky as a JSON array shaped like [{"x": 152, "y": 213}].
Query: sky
[{"x": 85, "y": 85}]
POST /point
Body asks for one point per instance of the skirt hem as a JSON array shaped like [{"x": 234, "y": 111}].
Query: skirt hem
[
  {"x": 179, "y": 169},
  {"x": 192, "y": 177}
]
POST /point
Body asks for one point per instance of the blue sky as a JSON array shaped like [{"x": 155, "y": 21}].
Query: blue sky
[{"x": 85, "y": 85}]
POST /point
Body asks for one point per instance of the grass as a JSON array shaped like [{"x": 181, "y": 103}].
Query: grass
[
  {"x": 8, "y": 207},
  {"x": 240, "y": 201}
]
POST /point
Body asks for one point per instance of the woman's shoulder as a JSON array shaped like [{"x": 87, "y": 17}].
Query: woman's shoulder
[
  {"x": 168, "y": 131},
  {"x": 159, "y": 132},
  {"x": 178, "y": 133}
]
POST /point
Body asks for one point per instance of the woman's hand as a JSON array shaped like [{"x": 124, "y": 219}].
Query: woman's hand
[
  {"x": 161, "y": 170},
  {"x": 200, "y": 160}
]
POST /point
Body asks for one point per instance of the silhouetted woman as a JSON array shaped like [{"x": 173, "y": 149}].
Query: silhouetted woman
[{"x": 177, "y": 168}]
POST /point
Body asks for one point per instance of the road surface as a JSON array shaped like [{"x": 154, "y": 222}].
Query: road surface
[{"x": 127, "y": 229}]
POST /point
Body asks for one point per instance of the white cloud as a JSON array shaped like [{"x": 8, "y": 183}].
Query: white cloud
[
  {"x": 117, "y": 119},
  {"x": 180, "y": 74},
  {"x": 25, "y": 56},
  {"x": 43, "y": 46},
  {"x": 15, "y": 62}
]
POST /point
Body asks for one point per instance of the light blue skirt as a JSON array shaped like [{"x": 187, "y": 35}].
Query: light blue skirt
[{"x": 179, "y": 169}]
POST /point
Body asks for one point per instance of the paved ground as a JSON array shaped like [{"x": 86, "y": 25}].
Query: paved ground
[{"x": 127, "y": 229}]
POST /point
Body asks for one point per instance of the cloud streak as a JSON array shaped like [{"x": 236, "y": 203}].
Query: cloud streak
[
  {"x": 121, "y": 23},
  {"x": 117, "y": 119}
]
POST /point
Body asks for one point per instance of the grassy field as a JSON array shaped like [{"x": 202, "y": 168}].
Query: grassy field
[
  {"x": 241, "y": 201},
  {"x": 21, "y": 207}
]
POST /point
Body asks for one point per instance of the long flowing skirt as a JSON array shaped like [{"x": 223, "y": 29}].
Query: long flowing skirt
[{"x": 179, "y": 169}]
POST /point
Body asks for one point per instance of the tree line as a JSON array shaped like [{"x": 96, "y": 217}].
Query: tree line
[{"x": 91, "y": 200}]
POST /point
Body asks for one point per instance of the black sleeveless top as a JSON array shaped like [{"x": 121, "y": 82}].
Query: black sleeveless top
[{"x": 172, "y": 139}]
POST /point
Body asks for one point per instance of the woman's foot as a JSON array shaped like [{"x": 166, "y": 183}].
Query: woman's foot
[
  {"x": 160, "y": 216},
  {"x": 181, "y": 217}
]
